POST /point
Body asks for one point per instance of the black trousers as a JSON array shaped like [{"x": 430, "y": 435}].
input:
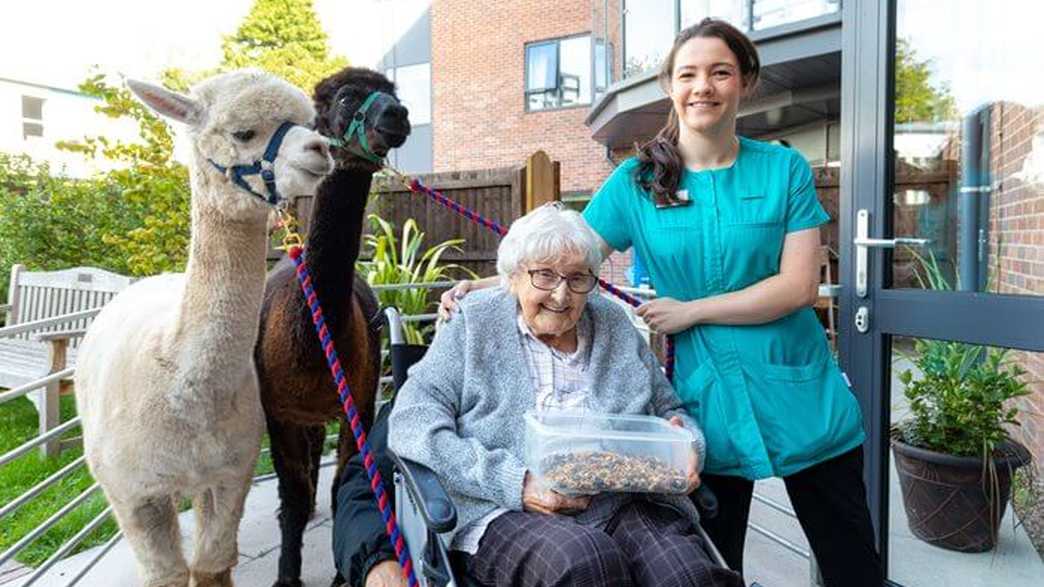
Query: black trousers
[{"x": 830, "y": 502}]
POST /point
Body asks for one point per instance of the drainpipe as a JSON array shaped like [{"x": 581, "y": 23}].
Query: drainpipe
[
  {"x": 986, "y": 179},
  {"x": 972, "y": 251}
]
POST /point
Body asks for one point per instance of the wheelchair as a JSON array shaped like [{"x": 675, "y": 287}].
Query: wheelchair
[{"x": 423, "y": 509}]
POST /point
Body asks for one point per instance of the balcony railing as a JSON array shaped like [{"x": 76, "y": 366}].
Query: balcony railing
[{"x": 647, "y": 27}]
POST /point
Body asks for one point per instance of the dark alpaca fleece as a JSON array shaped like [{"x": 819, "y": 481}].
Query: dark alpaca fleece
[
  {"x": 297, "y": 387},
  {"x": 297, "y": 390}
]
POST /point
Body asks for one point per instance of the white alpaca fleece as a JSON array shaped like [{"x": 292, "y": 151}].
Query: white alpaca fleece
[{"x": 165, "y": 382}]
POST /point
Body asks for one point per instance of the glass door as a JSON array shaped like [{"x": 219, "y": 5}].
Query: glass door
[{"x": 942, "y": 232}]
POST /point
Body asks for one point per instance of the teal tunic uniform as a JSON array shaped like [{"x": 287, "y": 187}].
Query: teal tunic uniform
[{"x": 770, "y": 397}]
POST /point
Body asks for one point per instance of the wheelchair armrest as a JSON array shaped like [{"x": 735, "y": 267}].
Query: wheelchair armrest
[
  {"x": 438, "y": 511},
  {"x": 706, "y": 502}
]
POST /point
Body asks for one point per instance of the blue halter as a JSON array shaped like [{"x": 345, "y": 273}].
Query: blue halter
[{"x": 265, "y": 168}]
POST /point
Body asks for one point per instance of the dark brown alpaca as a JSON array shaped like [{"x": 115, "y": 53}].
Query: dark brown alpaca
[{"x": 297, "y": 391}]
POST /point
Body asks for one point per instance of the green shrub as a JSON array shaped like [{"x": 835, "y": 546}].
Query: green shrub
[
  {"x": 959, "y": 404},
  {"x": 395, "y": 259}
]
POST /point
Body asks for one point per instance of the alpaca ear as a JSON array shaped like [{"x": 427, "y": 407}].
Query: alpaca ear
[{"x": 167, "y": 103}]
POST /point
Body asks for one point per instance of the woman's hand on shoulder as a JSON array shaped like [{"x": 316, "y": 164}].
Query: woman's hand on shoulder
[
  {"x": 694, "y": 460},
  {"x": 448, "y": 300},
  {"x": 539, "y": 499},
  {"x": 666, "y": 315},
  {"x": 451, "y": 297}
]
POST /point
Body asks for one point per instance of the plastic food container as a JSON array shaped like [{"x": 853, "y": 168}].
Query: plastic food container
[{"x": 586, "y": 453}]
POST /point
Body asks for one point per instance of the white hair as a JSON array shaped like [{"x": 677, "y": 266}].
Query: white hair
[{"x": 547, "y": 234}]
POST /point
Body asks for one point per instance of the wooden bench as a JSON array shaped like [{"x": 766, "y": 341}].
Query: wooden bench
[{"x": 47, "y": 313}]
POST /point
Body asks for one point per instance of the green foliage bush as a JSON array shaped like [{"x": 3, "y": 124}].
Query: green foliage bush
[
  {"x": 960, "y": 402},
  {"x": 135, "y": 218},
  {"x": 395, "y": 259}
]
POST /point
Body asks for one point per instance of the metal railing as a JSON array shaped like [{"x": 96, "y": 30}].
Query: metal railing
[
  {"x": 51, "y": 381},
  {"x": 45, "y": 437},
  {"x": 53, "y": 435},
  {"x": 69, "y": 545}
]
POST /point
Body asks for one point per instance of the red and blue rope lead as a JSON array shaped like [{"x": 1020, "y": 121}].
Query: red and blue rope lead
[
  {"x": 304, "y": 278},
  {"x": 494, "y": 226},
  {"x": 352, "y": 416}
]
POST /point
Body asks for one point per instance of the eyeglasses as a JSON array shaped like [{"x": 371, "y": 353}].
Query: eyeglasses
[{"x": 548, "y": 280}]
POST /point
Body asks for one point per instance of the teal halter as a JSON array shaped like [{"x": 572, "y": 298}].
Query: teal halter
[{"x": 358, "y": 127}]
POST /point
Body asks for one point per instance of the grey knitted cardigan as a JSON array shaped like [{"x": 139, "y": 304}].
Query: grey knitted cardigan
[{"x": 460, "y": 411}]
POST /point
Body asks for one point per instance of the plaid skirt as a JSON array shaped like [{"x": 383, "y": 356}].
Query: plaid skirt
[{"x": 644, "y": 544}]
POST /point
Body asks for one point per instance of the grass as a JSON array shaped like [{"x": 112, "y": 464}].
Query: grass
[{"x": 18, "y": 424}]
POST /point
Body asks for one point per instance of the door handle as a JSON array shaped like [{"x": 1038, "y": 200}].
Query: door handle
[
  {"x": 889, "y": 243},
  {"x": 863, "y": 243}
]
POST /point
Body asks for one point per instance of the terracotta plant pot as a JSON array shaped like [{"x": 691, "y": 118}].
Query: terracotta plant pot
[{"x": 948, "y": 498}]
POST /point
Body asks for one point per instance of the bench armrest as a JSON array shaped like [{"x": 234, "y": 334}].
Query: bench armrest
[
  {"x": 438, "y": 511},
  {"x": 60, "y": 335}
]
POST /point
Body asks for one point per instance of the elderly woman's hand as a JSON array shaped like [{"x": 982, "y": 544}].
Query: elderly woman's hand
[
  {"x": 385, "y": 574},
  {"x": 694, "y": 460},
  {"x": 448, "y": 300},
  {"x": 537, "y": 498},
  {"x": 666, "y": 315}
]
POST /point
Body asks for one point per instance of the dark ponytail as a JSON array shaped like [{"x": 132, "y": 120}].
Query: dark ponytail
[{"x": 660, "y": 162}]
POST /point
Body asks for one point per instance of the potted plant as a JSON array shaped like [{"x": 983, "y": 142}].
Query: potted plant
[
  {"x": 954, "y": 456},
  {"x": 394, "y": 259}
]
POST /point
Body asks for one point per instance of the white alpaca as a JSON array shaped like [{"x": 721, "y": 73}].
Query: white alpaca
[{"x": 165, "y": 383}]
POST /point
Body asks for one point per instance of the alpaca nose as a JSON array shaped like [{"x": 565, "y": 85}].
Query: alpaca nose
[
  {"x": 318, "y": 146},
  {"x": 397, "y": 111},
  {"x": 394, "y": 124}
]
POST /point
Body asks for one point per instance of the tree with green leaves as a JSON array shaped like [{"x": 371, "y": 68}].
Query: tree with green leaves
[
  {"x": 283, "y": 37},
  {"x": 135, "y": 218},
  {"x": 917, "y": 99},
  {"x": 48, "y": 222},
  {"x": 154, "y": 186}
]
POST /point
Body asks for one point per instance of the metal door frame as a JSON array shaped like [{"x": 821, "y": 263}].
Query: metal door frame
[{"x": 867, "y": 174}]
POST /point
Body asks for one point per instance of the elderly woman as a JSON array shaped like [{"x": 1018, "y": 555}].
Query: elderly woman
[{"x": 543, "y": 341}]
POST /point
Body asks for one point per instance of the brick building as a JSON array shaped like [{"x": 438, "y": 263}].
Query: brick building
[
  {"x": 990, "y": 158},
  {"x": 483, "y": 113},
  {"x": 1016, "y": 236},
  {"x": 489, "y": 83}
]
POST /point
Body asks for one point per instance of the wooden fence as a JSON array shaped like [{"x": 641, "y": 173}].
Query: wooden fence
[{"x": 502, "y": 194}]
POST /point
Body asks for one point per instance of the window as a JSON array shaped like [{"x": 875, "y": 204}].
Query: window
[
  {"x": 603, "y": 72},
  {"x": 729, "y": 10},
  {"x": 558, "y": 73},
  {"x": 649, "y": 28},
  {"x": 413, "y": 86},
  {"x": 32, "y": 117},
  {"x": 771, "y": 13}
]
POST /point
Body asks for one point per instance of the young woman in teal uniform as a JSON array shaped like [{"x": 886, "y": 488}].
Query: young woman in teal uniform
[{"x": 728, "y": 227}]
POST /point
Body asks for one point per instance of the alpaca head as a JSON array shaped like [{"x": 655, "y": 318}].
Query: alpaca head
[
  {"x": 248, "y": 123},
  {"x": 368, "y": 99}
]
